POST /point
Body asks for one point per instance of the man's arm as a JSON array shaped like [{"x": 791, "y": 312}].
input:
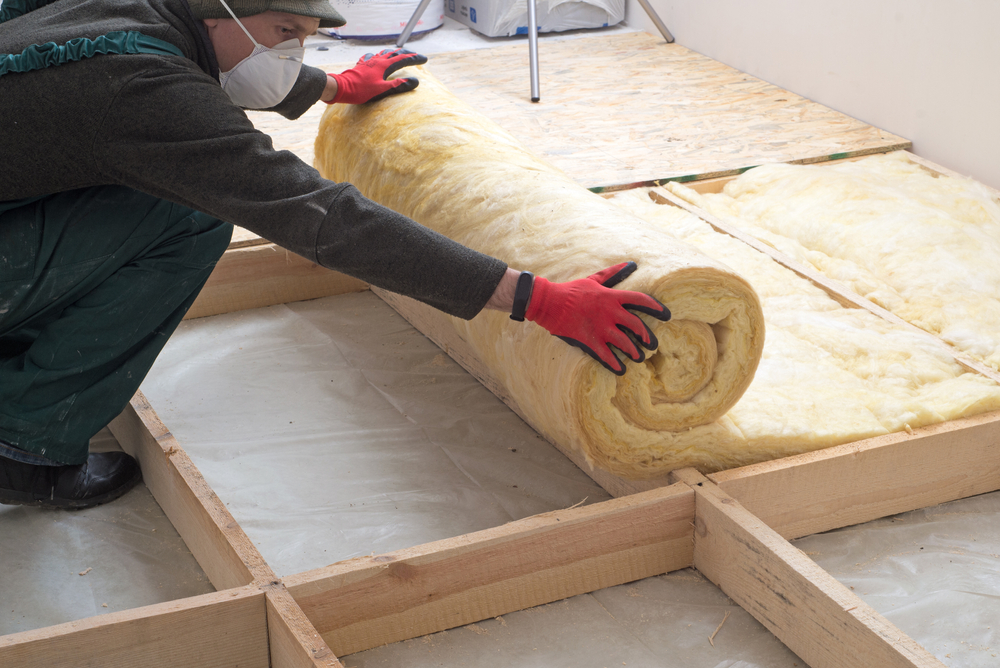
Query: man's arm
[
  {"x": 308, "y": 87},
  {"x": 195, "y": 148},
  {"x": 330, "y": 91},
  {"x": 503, "y": 296}
]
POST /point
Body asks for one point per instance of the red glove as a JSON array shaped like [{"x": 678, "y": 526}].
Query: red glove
[
  {"x": 587, "y": 314},
  {"x": 366, "y": 81}
]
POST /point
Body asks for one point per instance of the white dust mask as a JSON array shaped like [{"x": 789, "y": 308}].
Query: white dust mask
[{"x": 264, "y": 78}]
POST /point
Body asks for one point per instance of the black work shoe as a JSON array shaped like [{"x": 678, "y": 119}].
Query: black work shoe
[{"x": 103, "y": 477}]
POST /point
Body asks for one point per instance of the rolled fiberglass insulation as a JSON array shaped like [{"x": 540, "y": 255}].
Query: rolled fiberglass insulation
[
  {"x": 431, "y": 157},
  {"x": 920, "y": 244},
  {"x": 829, "y": 374}
]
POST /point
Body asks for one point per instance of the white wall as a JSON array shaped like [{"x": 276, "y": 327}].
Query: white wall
[{"x": 927, "y": 70}]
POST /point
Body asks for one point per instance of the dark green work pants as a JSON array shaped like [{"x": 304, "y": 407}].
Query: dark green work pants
[{"x": 92, "y": 283}]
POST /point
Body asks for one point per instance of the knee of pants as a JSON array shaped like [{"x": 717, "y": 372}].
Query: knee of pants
[
  {"x": 188, "y": 240},
  {"x": 128, "y": 223},
  {"x": 214, "y": 238},
  {"x": 152, "y": 218}
]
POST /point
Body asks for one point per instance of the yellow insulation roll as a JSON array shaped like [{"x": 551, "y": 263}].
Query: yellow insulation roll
[
  {"x": 920, "y": 244},
  {"x": 431, "y": 157}
]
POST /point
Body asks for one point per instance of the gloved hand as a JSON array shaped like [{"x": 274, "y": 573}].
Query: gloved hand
[
  {"x": 366, "y": 81},
  {"x": 587, "y": 314}
]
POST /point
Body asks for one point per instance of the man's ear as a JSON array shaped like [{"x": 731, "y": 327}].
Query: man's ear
[{"x": 210, "y": 23}]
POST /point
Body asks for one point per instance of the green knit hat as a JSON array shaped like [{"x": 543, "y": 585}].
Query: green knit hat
[{"x": 317, "y": 9}]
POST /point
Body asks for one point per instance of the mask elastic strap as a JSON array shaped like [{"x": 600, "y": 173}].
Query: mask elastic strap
[{"x": 239, "y": 23}]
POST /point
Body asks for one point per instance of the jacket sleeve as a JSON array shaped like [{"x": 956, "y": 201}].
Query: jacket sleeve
[
  {"x": 305, "y": 93},
  {"x": 173, "y": 133}
]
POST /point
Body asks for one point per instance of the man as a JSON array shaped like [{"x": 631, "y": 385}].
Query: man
[{"x": 126, "y": 156}]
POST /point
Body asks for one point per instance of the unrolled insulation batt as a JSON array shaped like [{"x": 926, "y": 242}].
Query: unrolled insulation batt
[
  {"x": 829, "y": 374},
  {"x": 922, "y": 245},
  {"x": 428, "y": 155}
]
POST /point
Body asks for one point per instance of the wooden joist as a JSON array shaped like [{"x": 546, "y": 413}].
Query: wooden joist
[
  {"x": 804, "y": 606},
  {"x": 370, "y": 601},
  {"x": 293, "y": 640},
  {"x": 741, "y": 516},
  {"x": 264, "y": 275},
  {"x": 859, "y": 482},
  {"x": 216, "y": 540},
  {"x": 222, "y": 549},
  {"x": 226, "y": 629},
  {"x": 367, "y": 602}
]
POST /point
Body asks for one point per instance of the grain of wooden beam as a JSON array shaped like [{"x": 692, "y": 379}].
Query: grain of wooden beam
[
  {"x": 858, "y": 482},
  {"x": 293, "y": 640},
  {"x": 224, "y": 552},
  {"x": 221, "y": 630},
  {"x": 366, "y": 602},
  {"x": 804, "y": 606},
  {"x": 265, "y": 275},
  {"x": 214, "y": 537}
]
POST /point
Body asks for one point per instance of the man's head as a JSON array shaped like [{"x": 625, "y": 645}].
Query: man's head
[
  {"x": 271, "y": 22},
  {"x": 268, "y": 28}
]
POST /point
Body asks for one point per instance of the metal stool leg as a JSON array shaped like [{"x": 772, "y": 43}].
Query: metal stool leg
[
  {"x": 532, "y": 37},
  {"x": 533, "y": 49},
  {"x": 657, "y": 21},
  {"x": 412, "y": 23}
]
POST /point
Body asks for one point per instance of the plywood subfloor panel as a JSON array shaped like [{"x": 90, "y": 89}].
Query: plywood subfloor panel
[{"x": 628, "y": 108}]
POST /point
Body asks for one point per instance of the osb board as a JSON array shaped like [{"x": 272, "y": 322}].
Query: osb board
[{"x": 627, "y": 108}]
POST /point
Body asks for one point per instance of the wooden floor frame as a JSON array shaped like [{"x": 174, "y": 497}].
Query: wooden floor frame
[{"x": 733, "y": 526}]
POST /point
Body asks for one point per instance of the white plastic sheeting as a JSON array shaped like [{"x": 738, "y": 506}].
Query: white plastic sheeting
[
  {"x": 127, "y": 551},
  {"x": 934, "y": 573},
  {"x": 333, "y": 429}
]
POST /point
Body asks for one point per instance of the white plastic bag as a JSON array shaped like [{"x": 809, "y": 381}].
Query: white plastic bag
[{"x": 373, "y": 19}]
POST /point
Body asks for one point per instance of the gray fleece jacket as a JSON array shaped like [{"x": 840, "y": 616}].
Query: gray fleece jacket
[{"x": 162, "y": 124}]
